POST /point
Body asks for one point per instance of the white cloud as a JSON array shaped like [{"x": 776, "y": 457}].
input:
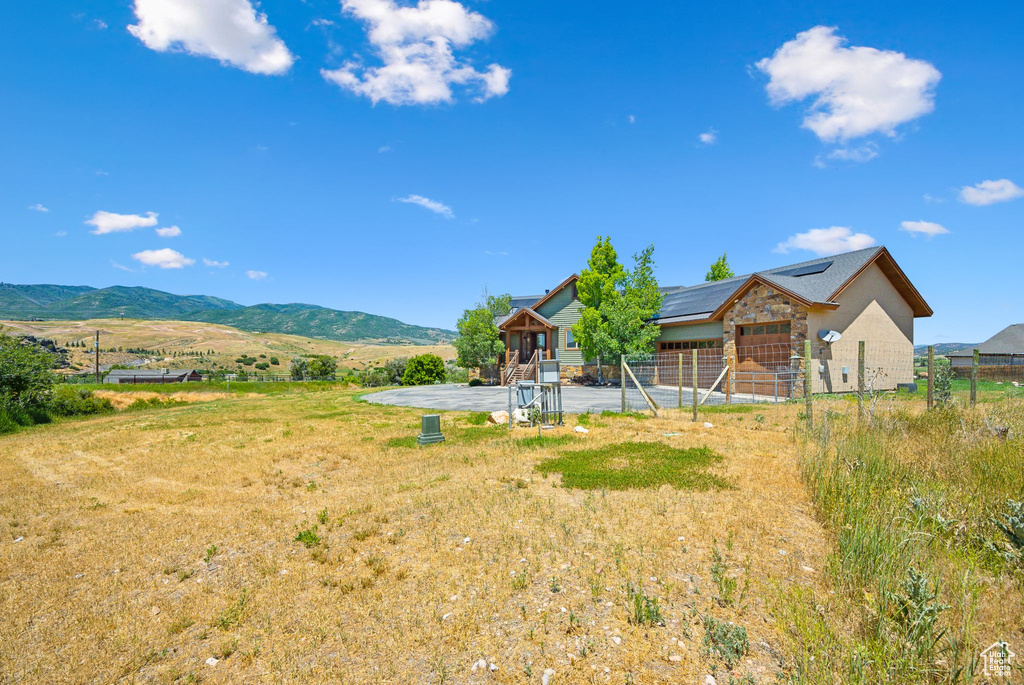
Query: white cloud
[
  {"x": 37, "y": 207},
  {"x": 61, "y": 234},
  {"x": 99, "y": 24},
  {"x": 168, "y": 232},
  {"x": 632, "y": 119},
  {"x": 109, "y": 222},
  {"x": 384, "y": 149},
  {"x": 928, "y": 197},
  {"x": 231, "y": 31},
  {"x": 826, "y": 241},
  {"x": 927, "y": 228},
  {"x": 121, "y": 267},
  {"x": 858, "y": 90},
  {"x": 165, "y": 258},
  {"x": 415, "y": 44},
  {"x": 256, "y": 275},
  {"x": 709, "y": 137},
  {"x": 862, "y": 153},
  {"x": 433, "y": 205},
  {"x": 990, "y": 192},
  {"x": 214, "y": 263}
]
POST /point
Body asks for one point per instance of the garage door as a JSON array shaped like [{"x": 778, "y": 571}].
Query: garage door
[{"x": 762, "y": 356}]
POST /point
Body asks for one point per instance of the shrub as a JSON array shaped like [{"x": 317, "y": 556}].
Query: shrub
[
  {"x": 425, "y": 369},
  {"x": 456, "y": 374},
  {"x": 727, "y": 641},
  {"x": 475, "y": 383},
  {"x": 262, "y": 366},
  {"x": 71, "y": 401},
  {"x": 275, "y": 361}
]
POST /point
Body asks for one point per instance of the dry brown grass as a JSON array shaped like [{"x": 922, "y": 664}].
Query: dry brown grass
[
  {"x": 430, "y": 560},
  {"x": 123, "y": 400},
  {"x": 227, "y": 343}
]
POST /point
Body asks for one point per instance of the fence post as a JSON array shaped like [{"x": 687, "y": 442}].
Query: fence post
[
  {"x": 931, "y": 375},
  {"x": 622, "y": 381},
  {"x": 808, "y": 405},
  {"x": 680, "y": 380},
  {"x": 728, "y": 380},
  {"x": 860, "y": 379},
  {"x": 974, "y": 377},
  {"x": 693, "y": 382}
]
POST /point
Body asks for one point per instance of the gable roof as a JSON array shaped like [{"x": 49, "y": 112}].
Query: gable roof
[
  {"x": 522, "y": 313},
  {"x": 1010, "y": 340},
  {"x": 814, "y": 282}
]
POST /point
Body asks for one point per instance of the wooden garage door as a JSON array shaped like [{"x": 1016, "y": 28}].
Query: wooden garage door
[{"x": 762, "y": 354}]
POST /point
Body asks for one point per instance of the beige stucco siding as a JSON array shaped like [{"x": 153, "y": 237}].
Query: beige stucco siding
[{"x": 872, "y": 310}]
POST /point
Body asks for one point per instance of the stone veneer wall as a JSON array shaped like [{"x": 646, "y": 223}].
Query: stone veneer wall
[{"x": 764, "y": 305}]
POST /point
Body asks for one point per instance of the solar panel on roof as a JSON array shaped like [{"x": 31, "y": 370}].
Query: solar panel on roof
[{"x": 808, "y": 270}]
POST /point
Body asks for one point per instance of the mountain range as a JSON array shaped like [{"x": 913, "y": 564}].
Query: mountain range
[
  {"x": 942, "y": 348},
  {"x": 77, "y": 302}
]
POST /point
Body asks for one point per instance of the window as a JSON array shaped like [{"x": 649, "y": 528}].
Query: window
[
  {"x": 785, "y": 328},
  {"x": 542, "y": 340},
  {"x": 772, "y": 329},
  {"x": 758, "y": 330},
  {"x": 570, "y": 342}
]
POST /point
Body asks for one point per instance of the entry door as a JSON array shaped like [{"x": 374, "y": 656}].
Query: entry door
[{"x": 529, "y": 344}]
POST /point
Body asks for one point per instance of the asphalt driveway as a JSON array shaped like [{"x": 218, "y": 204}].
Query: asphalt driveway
[{"x": 575, "y": 399}]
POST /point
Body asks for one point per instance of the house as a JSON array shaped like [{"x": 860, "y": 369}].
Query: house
[
  {"x": 759, "y": 321},
  {"x": 152, "y": 376},
  {"x": 1000, "y": 358}
]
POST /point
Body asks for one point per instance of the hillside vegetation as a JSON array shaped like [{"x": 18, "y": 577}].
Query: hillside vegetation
[
  {"x": 197, "y": 344},
  {"x": 58, "y": 302}
]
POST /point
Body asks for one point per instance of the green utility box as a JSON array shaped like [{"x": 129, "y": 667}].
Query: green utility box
[{"x": 430, "y": 432}]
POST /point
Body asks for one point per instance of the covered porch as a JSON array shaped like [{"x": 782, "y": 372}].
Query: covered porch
[{"x": 528, "y": 338}]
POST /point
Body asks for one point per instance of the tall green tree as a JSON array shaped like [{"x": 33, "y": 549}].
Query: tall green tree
[
  {"x": 618, "y": 305},
  {"x": 479, "y": 343},
  {"x": 719, "y": 270}
]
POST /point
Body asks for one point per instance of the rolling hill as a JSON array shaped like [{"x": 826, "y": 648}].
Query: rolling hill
[
  {"x": 73, "y": 303},
  {"x": 942, "y": 348}
]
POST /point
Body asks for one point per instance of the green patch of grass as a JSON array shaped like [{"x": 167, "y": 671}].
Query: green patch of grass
[
  {"x": 727, "y": 409},
  {"x": 630, "y": 465},
  {"x": 546, "y": 440},
  {"x": 638, "y": 415},
  {"x": 308, "y": 537},
  {"x": 233, "y": 614},
  {"x": 405, "y": 441},
  {"x": 473, "y": 435},
  {"x": 477, "y": 418}
]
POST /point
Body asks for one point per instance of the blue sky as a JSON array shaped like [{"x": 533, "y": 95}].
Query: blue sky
[{"x": 396, "y": 158}]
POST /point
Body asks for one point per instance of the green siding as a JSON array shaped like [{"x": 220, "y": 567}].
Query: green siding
[
  {"x": 559, "y": 301},
  {"x": 564, "y": 318},
  {"x": 710, "y": 330}
]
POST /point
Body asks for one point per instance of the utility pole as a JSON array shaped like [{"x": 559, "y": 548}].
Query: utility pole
[{"x": 97, "y": 346}]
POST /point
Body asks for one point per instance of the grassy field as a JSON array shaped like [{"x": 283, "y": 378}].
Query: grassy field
[
  {"x": 227, "y": 343},
  {"x": 301, "y": 536}
]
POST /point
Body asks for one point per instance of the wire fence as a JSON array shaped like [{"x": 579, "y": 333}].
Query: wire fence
[
  {"x": 169, "y": 379},
  {"x": 770, "y": 373}
]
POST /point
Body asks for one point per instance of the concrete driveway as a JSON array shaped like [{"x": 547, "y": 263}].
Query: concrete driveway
[{"x": 575, "y": 399}]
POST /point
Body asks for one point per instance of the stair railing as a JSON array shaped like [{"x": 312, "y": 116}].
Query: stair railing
[{"x": 510, "y": 368}]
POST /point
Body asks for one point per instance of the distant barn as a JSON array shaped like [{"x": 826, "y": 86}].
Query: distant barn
[{"x": 152, "y": 376}]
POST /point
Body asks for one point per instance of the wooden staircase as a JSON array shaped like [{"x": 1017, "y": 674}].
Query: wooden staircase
[{"x": 515, "y": 372}]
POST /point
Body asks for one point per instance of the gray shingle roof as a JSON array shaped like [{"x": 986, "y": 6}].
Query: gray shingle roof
[
  {"x": 827, "y": 274},
  {"x": 1010, "y": 340}
]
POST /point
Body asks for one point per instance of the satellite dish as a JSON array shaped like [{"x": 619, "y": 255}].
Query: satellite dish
[{"x": 828, "y": 336}]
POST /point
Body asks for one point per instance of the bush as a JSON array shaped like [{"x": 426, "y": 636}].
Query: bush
[
  {"x": 425, "y": 369},
  {"x": 262, "y": 366},
  {"x": 275, "y": 361},
  {"x": 71, "y": 401},
  {"x": 456, "y": 374},
  {"x": 7, "y": 424},
  {"x": 322, "y": 366},
  {"x": 475, "y": 383}
]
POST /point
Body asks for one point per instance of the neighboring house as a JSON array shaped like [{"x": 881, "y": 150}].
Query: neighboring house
[
  {"x": 1001, "y": 357},
  {"x": 760, "y": 321},
  {"x": 152, "y": 376}
]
